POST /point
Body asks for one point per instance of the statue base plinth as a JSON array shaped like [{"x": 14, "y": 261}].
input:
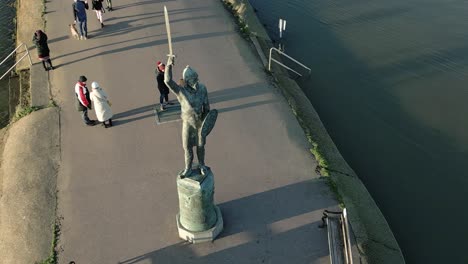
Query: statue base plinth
[
  {"x": 198, "y": 220},
  {"x": 203, "y": 236}
]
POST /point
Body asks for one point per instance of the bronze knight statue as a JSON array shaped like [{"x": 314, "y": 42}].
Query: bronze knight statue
[{"x": 197, "y": 119}]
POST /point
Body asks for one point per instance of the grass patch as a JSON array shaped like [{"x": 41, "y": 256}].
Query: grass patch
[
  {"x": 24, "y": 111},
  {"x": 52, "y": 259},
  {"x": 52, "y": 103},
  {"x": 334, "y": 188},
  {"x": 242, "y": 25}
]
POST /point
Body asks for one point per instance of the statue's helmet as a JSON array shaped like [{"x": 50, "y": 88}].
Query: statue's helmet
[{"x": 190, "y": 76}]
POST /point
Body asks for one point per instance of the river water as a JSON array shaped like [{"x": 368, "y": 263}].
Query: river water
[
  {"x": 389, "y": 80},
  {"x": 7, "y": 44}
]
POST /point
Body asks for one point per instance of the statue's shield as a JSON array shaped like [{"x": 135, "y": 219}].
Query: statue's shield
[{"x": 209, "y": 122}]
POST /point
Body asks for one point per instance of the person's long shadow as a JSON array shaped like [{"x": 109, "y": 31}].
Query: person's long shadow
[
  {"x": 275, "y": 226},
  {"x": 124, "y": 27},
  {"x": 247, "y": 90},
  {"x": 160, "y": 13},
  {"x": 120, "y": 118},
  {"x": 153, "y": 43},
  {"x": 58, "y": 39},
  {"x": 214, "y": 97},
  {"x": 244, "y": 91},
  {"x": 106, "y": 45},
  {"x": 139, "y": 3}
]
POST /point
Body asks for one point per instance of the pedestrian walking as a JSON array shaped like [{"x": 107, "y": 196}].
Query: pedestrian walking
[
  {"x": 43, "y": 52},
  {"x": 162, "y": 87},
  {"x": 83, "y": 100},
  {"x": 102, "y": 105},
  {"x": 79, "y": 15},
  {"x": 99, "y": 9},
  {"x": 109, "y": 5}
]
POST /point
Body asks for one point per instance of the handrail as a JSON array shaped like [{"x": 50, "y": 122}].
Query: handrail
[
  {"x": 287, "y": 56},
  {"x": 347, "y": 256},
  {"x": 18, "y": 61}
]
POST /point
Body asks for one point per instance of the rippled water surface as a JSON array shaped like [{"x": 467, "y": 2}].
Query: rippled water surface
[
  {"x": 389, "y": 80},
  {"x": 7, "y": 43}
]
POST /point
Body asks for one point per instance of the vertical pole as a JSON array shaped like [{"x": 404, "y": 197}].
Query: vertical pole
[
  {"x": 269, "y": 61},
  {"x": 29, "y": 56},
  {"x": 282, "y": 27}
]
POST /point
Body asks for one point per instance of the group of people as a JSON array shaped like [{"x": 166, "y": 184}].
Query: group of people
[
  {"x": 197, "y": 119},
  {"x": 79, "y": 14},
  {"x": 85, "y": 99},
  {"x": 100, "y": 99},
  {"x": 97, "y": 97}
]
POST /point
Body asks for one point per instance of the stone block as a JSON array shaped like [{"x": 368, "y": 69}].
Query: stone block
[
  {"x": 198, "y": 220},
  {"x": 203, "y": 236}
]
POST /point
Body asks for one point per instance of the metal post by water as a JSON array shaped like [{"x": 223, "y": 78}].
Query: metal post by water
[{"x": 282, "y": 27}]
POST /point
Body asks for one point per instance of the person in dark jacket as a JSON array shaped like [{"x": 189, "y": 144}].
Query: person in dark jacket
[
  {"x": 99, "y": 9},
  {"x": 79, "y": 15},
  {"x": 83, "y": 100},
  {"x": 40, "y": 41},
  {"x": 109, "y": 5},
  {"x": 162, "y": 87}
]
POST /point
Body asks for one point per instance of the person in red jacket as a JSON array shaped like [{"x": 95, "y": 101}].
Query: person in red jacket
[{"x": 83, "y": 100}]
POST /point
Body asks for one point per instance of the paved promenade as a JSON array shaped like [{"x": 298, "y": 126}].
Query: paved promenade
[{"x": 117, "y": 186}]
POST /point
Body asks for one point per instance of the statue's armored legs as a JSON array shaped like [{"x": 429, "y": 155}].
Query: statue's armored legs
[
  {"x": 201, "y": 159},
  {"x": 201, "y": 154},
  {"x": 188, "y": 149}
]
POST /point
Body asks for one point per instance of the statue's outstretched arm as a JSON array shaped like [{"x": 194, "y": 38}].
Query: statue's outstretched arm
[{"x": 173, "y": 86}]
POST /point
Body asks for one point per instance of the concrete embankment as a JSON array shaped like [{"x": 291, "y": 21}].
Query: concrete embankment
[
  {"x": 30, "y": 154},
  {"x": 28, "y": 172},
  {"x": 376, "y": 241}
]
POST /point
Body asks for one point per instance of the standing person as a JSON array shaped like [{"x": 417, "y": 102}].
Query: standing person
[
  {"x": 79, "y": 15},
  {"x": 101, "y": 105},
  {"x": 162, "y": 87},
  {"x": 99, "y": 9},
  {"x": 83, "y": 100},
  {"x": 109, "y": 5},
  {"x": 40, "y": 40}
]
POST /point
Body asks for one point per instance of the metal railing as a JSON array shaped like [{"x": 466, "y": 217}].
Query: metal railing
[
  {"x": 18, "y": 61},
  {"x": 280, "y": 63},
  {"x": 339, "y": 241}
]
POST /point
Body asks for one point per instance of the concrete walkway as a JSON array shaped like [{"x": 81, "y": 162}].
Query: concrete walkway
[{"x": 117, "y": 186}]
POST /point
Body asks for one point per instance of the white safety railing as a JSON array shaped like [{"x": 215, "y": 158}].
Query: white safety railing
[
  {"x": 280, "y": 63},
  {"x": 18, "y": 61}
]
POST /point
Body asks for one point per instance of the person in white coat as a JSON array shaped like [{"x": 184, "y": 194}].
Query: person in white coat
[{"x": 101, "y": 105}]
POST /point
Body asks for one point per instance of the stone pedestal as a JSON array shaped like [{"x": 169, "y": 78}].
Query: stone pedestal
[{"x": 198, "y": 220}]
